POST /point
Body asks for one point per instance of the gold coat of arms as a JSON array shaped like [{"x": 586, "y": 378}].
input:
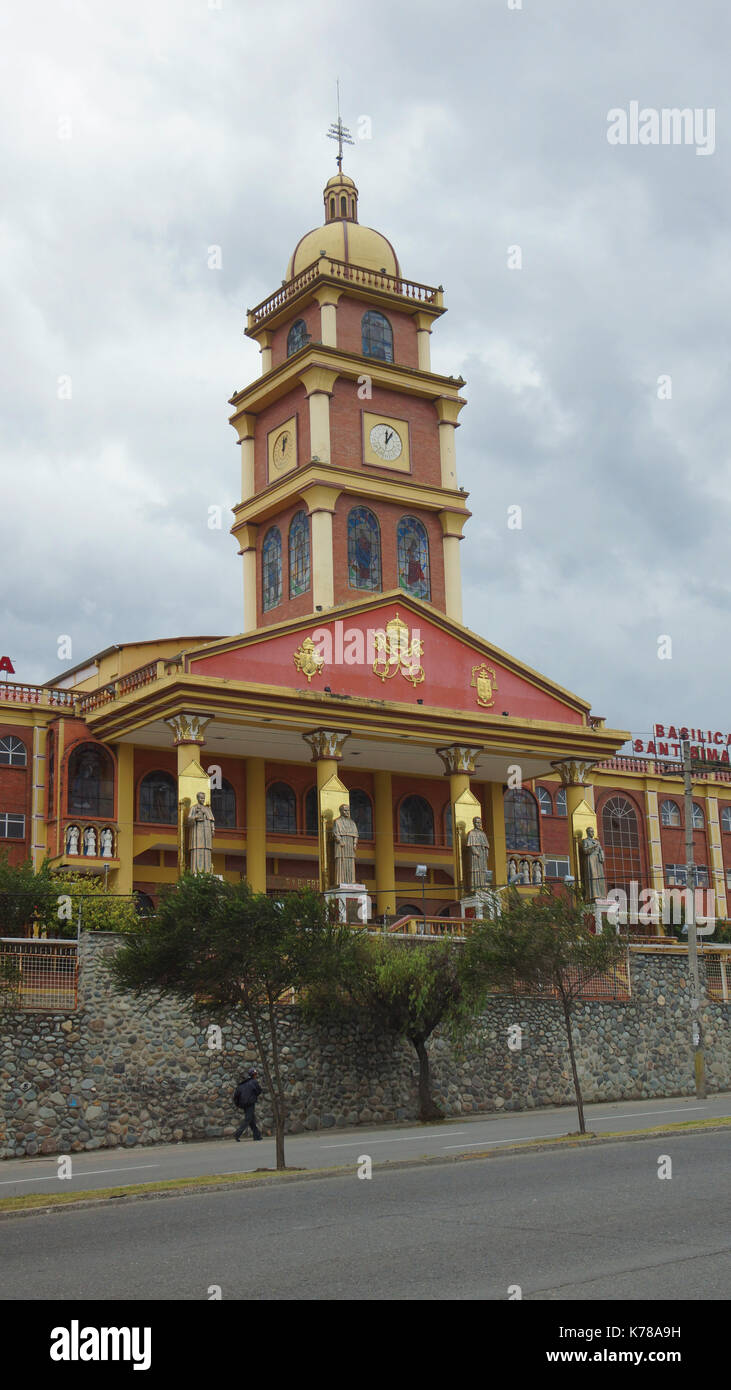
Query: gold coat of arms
[
  {"x": 397, "y": 651},
  {"x": 307, "y": 660},
  {"x": 483, "y": 678}
]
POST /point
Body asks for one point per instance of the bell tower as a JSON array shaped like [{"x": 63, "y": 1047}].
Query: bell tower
[{"x": 348, "y": 462}]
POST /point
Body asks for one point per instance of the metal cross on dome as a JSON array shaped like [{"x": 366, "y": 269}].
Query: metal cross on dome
[{"x": 340, "y": 132}]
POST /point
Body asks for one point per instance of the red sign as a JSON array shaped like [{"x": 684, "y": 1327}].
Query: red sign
[
  {"x": 7, "y": 665},
  {"x": 707, "y": 745}
]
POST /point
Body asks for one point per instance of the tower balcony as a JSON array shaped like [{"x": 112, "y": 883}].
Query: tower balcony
[{"x": 375, "y": 285}]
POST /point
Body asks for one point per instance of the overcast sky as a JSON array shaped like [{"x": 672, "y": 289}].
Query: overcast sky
[{"x": 137, "y": 135}]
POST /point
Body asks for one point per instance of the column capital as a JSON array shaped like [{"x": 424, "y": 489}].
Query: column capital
[
  {"x": 448, "y": 409},
  {"x": 188, "y": 728},
  {"x": 327, "y": 294},
  {"x": 453, "y": 522},
  {"x": 459, "y": 758},
  {"x": 326, "y": 743},
  {"x": 573, "y": 772},
  {"x": 319, "y": 497},
  {"x": 318, "y": 381}
]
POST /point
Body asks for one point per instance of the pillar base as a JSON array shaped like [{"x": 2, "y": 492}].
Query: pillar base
[{"x": 354, "y": 904}]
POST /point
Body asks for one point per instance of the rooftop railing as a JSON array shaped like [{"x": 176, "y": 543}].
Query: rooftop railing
[
  {"x": 343, "y": 270},
  {"x": 15, "y": 692}
]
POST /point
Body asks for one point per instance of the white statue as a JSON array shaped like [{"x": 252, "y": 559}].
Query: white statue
[
  {"x": 90, "y": 840},
  {"x": 107, "y": 843},
  {"x": 72, "y": 839},
  {"x": 477, "y": 846}
]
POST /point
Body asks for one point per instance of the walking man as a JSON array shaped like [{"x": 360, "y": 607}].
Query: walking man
[{"x": 245, "y": 1097}]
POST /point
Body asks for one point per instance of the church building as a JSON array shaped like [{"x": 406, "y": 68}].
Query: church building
[{"x": 353, "y": 677}]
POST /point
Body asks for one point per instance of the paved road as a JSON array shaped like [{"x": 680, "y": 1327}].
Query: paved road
[
  {"x": 576, "y": 1224},
  {"x": 333, "y": 1147}
]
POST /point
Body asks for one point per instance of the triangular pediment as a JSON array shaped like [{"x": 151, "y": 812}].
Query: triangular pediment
[{"x": 389, "y": 647}]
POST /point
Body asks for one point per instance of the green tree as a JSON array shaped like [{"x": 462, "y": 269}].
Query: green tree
[
  {"x": 404, "y": 990},
  {"x": 26, "y": 897},
  {"x": 538, "y": 945},
  {"x": 100, "y": 909},
  {"x": 228, "y": 952}
]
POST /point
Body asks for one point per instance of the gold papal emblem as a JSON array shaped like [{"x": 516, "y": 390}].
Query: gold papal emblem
[
  {"x": 397, "y": 651},
  {"x": 307, "y": 660},
  {"x": 483, "y": 677}
]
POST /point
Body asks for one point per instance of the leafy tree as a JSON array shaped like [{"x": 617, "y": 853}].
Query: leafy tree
[
  {"x": 25, "y": 896},
  {"x": 228, "y": 951},
  {"x": 100, "y": 909},
  {"x": 541, "y": 944},
  {"x": 406, "y": 991}
]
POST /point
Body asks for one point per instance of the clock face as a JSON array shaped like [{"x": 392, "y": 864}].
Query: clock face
[
  {"x": 283, "y": 449},
  {"x": 386, "y": 442}
]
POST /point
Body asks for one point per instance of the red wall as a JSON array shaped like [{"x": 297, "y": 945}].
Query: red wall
[
  {"x": 16, "y": 793},
  {"x": 346, "y": 432}
]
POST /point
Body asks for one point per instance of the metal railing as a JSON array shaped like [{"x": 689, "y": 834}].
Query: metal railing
[
  {"x": 38, "y": 974},
  {"x": 718, "y": 977}
]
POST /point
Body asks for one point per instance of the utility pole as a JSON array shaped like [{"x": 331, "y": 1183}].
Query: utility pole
[{"x": 699, "y": 1060}]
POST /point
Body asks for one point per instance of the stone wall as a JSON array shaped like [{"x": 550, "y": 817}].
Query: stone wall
[{"x": 120, "y": 1071}]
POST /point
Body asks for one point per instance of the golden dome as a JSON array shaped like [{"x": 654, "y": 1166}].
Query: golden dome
[{"x": 342, "y": 236}]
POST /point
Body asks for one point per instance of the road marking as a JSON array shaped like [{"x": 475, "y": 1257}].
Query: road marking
[
  {"x": 680, "y": 1110},
  {"x": 518, "y": 1139},
  {"x": 86, "y": 1173},
  {"x": 410, "y": 1139}
]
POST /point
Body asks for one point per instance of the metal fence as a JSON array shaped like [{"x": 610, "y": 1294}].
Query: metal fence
[
  {"x": 38, "y": 974},
  {"x": 718, "y": 976}
]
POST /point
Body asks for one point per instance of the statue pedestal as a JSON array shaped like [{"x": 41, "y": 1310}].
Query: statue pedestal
[
  {"x": 484, "y": 903},
  {"x": 354, "y": 904}
]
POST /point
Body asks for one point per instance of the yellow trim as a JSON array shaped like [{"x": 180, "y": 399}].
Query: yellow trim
[
  {"x": 274, "y": 498},
  {"x": 125, "y": 816},
  {"x": 390, "y": 376},
  {"x": 256, "y": 819},
  {"x": 383, "y": 829},
  {"x": 498, "y": 851}
]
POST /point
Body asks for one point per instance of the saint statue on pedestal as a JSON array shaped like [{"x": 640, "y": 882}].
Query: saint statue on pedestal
[
  {"x": 477, "y": 846},
  {"x": 201, "y": 826},
  {"x": 593, "y": 878},
  {"x": 345, "y": 843}
]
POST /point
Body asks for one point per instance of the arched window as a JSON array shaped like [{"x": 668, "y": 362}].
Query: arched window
[
  {"x": 416, "y": 821},
  {"x": 271, "y": 569},
  {"x": 699, "y": 820},
  {"x": 281, "y": 809},
  {"x": 299, "y": 554},
  {"x": 223, "y": 804},
  {"x": 364, "y": 550},
  {"x": 521, "y": 820},
  {"x": 343, "y": 205},
  {"x": 621, "y": 841},
  {"x": 412, "y": 546},
  {"x": 561, "y": 802},
  {"x": 159, "y": 798},
  {"x": 352, "y": 207},
  {"x": 726, "y": 819},
  {"x": 362, "y": 812},
  {"x": 448, "y": 824},
  {"x": 91, "y": 781},
  {"x": 311, "y": 812},
  {"x": 297, "y": 337},
  {"x": 332, "y": 207},
  {"x": 376, "y": 336},
  {"x": 13, "y": 753},
  {"x": 545, "y": 804},
  {"x": 669, "y": 813}
]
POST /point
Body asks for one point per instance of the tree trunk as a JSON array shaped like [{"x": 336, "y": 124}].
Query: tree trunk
[
  {"x": 428, "y": 1110},
  {"x": 271, "y": 1078},
  {"x": 577, "y": 1087}
]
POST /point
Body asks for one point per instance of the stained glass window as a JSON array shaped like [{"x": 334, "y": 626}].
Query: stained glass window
[
  {"x": 311, "y": 812},
  {"x": 159, "y": 798},
  {"x": 281, "y": 809},
  {"x": 299, "y": 554},
  {"x": 91, "y": 781},
  {"x": 416, "y": 821},
  {"x": 413, "y": 557},
  {"x": 271, "y": 569},
  {"x": 377, "y": 336},
  {"x": 521, "y": 821},
  {"x": 364, "y": 550},
  {"x": 362, "y": 813},
  {"x": 297, "y": 337},
  {"x": 223, "y": 804}
]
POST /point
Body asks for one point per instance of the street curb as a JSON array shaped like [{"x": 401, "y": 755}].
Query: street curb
[{"x": 270, "y": 1179}]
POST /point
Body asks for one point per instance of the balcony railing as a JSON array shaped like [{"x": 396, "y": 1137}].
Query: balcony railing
[
  {"x": 19, "y": 694},
  {"x": 123, "y": 685},
  {"x": 656, "y": 766},
  {"x": 343, "y": 270}
]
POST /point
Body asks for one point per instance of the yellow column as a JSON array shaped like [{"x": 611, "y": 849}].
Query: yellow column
[
  {"x": 245, "y": 425},
  {"x": 452, "y": 523},
  {"x": 328, "y": 298},
  {"x": 188, "y": 738},
  {"x": 125, "y": 816},
  {"x": 497, "y": 834},
  {"x": 327, "y": 750},
  {"x": 256, "y": 823},
  {"x": 423, "y": 347},
  {"x": 717, "y": 876},
  {"x": 653, "y": 840},
  {"x": 573, "y": 776},
  {"x": 385, "y": 862},
  {"x": 320, "y": 501},
  {"x": 318, "y": 383},
  {"x": 459, "y": 764},
  {"x": 448, "y": 409},
  {"x": 39, "y": 766},
  {"x": 246, "y": 537},
  {"x": 265, "y": 348}
]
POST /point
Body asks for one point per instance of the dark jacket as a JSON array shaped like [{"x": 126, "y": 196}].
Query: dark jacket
[{"x": 247, "y": 1092}]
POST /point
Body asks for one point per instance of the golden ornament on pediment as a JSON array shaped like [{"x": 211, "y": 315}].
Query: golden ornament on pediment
[
  {"x": 307, "y": 660},
  {"x": 484, "y": 680},
  {"x": 398, "y": 651}
]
